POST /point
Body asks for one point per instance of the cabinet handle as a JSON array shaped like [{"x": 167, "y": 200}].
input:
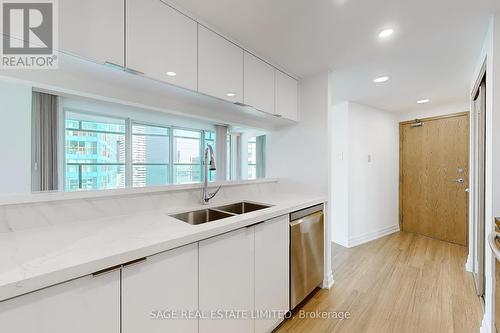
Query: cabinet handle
[
  {"x": 253, "y": 225},
  {"x": 117, "y": 267},
  {"x": 106, "y": 270},
  {"x": 134, "y": 262},
  {"x": 277, "y": 115},
  {"x": 134, "y": 71}
]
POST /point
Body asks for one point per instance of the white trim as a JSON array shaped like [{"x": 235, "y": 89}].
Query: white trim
[
  {"x": 342, "y": 242},
  {"x": 468, "y": 263},
  {"x": 60, "y": 196},
  {"x": 328, "y": 282},
  {"x": 485, "y": 327},
  {"x": 369, "y": 236}
]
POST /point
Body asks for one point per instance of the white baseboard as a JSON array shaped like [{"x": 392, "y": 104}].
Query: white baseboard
[
  {"x": 342, "y": 242},
  {"x": 485, "y": 327},
  {"x": 328, "y": 282},
  {"x": 468, "y": 264},
  {"x": 358, "y": 240}
]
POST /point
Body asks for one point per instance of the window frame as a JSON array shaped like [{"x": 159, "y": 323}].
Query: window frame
[
  {"x": 128, "y": 134},
  {"x": 130, "y": 180},
  {"x": 80, "y": 165},
  {"x": 252, "y": 140}
]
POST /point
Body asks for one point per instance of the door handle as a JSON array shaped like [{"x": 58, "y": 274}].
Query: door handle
[{"x": 492, "y": 240}]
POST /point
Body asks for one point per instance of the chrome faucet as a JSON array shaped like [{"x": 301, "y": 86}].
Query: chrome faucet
[{"x": 209, "y": 153}]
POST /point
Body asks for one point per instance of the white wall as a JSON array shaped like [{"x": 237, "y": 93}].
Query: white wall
[
  {"x": 300, "y": 155},
  {"x": 365, "y": 179},
  {"x": 491, "y": 53},
  {"x": 434, "y": 111},
  {"x": 340, "y": 173},
  {"x": 15, "y": 141}
]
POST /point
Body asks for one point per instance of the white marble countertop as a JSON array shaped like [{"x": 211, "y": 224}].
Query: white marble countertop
[{"x": 41, "y": 257}]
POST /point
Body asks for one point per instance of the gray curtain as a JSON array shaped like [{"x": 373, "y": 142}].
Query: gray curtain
[
  {"x": 45, "y": 135},
  {"x": 261, "y": 156}
]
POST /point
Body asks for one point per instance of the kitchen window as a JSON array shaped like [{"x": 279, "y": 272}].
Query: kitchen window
[
  {"x": 252, "y": 158},
  {"x": 94, "y": 152},
  {"x": 108, "y": 153},
  {"x": 187, "y": 156},
  {"x": 150, "y": 155}
]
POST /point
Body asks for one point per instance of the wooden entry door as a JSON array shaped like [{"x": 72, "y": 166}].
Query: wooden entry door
[{"x": 434, "y": 174}]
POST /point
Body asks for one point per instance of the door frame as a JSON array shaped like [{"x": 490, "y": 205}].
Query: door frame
[
  {"x": 474, "y": 213},
  {"x": 408, "y": 122}
]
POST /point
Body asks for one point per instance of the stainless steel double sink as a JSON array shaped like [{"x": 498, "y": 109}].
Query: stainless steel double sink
[{"x": 213, "y": 214}]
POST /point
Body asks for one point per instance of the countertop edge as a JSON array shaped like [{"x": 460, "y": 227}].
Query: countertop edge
[{"x": 35, "y": 283}]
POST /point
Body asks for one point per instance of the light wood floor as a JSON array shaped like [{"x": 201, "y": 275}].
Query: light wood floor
[{"x": 400, "y": 283}]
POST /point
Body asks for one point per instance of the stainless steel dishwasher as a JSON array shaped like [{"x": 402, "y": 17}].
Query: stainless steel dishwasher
[{"x": 306, "y": 252}]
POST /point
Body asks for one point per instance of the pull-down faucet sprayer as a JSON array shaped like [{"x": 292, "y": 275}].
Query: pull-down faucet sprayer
[{"x": 208, "y": 165}]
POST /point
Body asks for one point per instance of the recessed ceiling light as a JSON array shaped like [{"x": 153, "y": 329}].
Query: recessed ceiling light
[
  {"x": 386, "y": 33},
  {"x": 171, "y": 73},
  {"x": 423, "y": 101},
  {"x": 381, "y": 79},
  {"x": 231, "y": 94}
]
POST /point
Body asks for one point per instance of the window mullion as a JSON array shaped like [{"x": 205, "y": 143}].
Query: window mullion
[
  {"x": 128, "y": 152},
  {"x": 171, "y": 155}
]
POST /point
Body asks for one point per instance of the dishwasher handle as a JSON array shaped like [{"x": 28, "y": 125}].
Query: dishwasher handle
[
  {"x": 305, "y": 212},
  {"x": 492, "y": 240},
  {"x": 296, "y": 222}
]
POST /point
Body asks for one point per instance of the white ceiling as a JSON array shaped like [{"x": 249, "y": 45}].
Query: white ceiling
[{"x": 431, "y": 55}]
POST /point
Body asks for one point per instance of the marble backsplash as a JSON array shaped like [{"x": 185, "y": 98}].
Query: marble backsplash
[{"x": 18, "y": 217}]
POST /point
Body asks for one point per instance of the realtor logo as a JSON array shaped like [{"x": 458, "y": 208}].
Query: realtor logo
[{"x": 29, "y": 34}]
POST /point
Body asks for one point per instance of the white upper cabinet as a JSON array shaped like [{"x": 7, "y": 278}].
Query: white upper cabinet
[
  {"x": 227, "y": 280},
  {"x": 93, "y": 29},
  {"x": 287, "y": 100},
  {"x": 87, "y": 304},
  {"x": 161, "y": 43},
  {"x": 166, "y": 281},
  {"x": 259, "y": 84},
  {"x": 271, "y": 271},
  {"x": 220, "y": 66}
]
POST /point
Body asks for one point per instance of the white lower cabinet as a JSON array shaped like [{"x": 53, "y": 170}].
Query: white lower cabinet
[
  {"x": 227, "y": 279},
  {"x": 271, "y": 273},
  {"x": 160, "y": 294},
  {"x": 227, "y": 282},
  {"x": 87, "y": 304}
]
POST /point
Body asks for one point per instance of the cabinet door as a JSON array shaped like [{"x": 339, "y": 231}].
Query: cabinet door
[
  {"x": 227, "y": 280},
  {"x": 87, "y": 304},
  {"x": 287, "y": 90},
  {"x": 93, "y": 29},
  {"x": 259, "y": 84},
  {"x": 220, "y": 66},
  {"x": 271, "y": 271},
  {"x": 161, "y": 42},
  {"x": 166, "y": 284}
]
